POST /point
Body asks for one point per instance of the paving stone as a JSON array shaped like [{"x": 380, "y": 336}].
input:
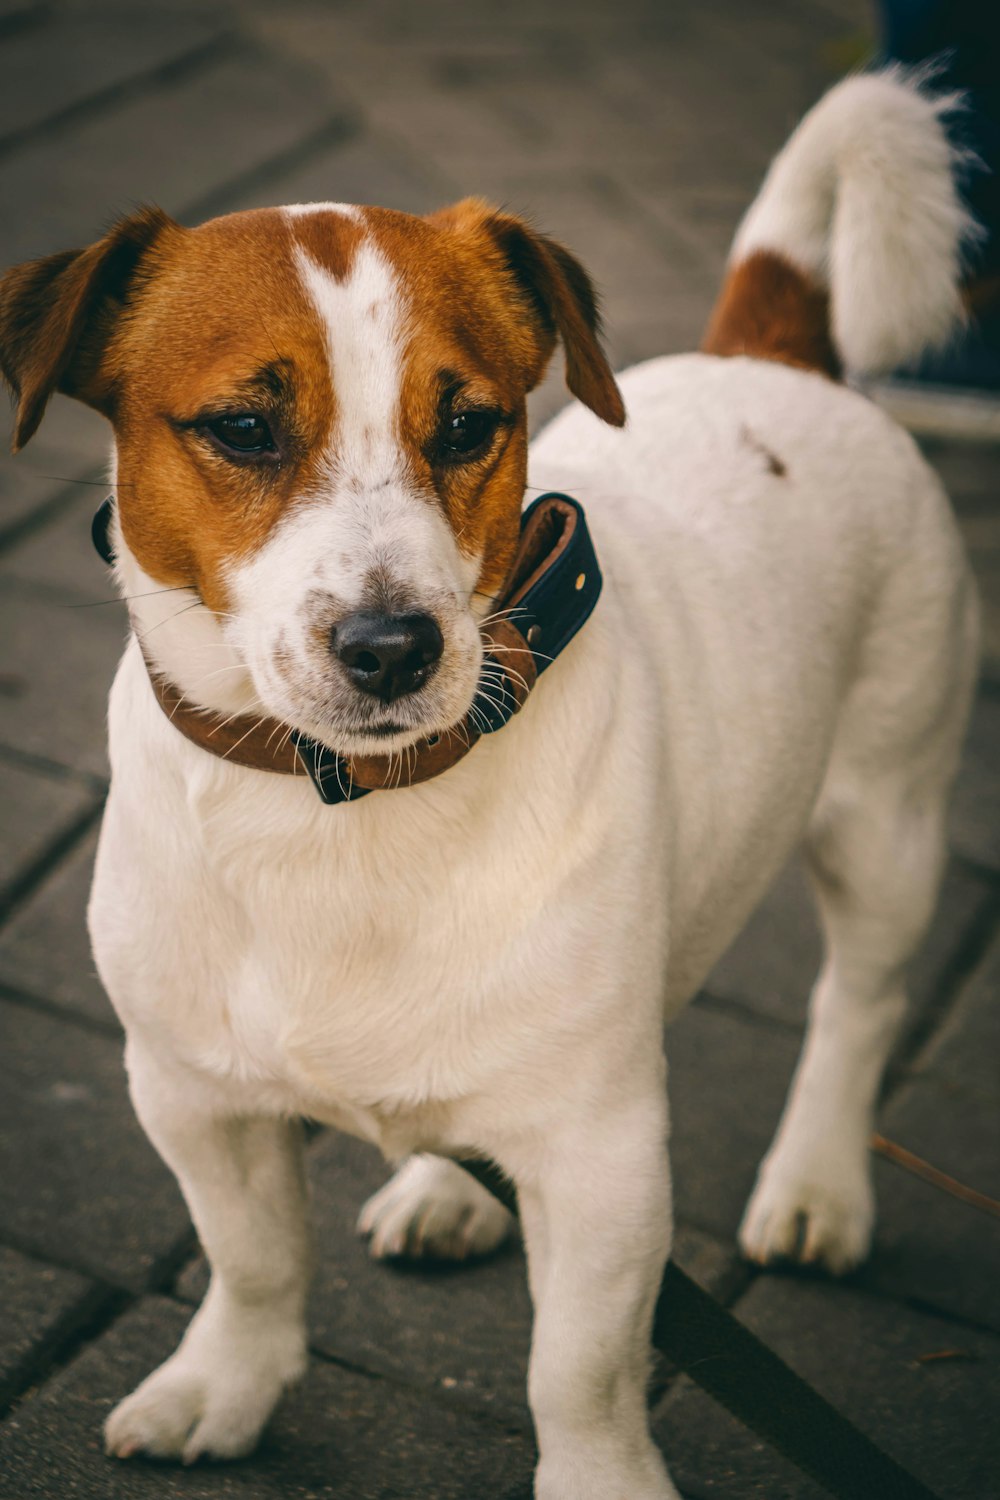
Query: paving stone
[
  {"x": 975, "y": 813},
  {"x": 339, "y": 1436},
  {"x": 59, "y": 556},
  {"x": 70, "y": 59},
  {"x": 79, "y": 1183},
  {"x": 875, "y": 1361},
  {"x": 56, "y": 666},
  {"x": 968, "y": 472},
  {"x": 43, "y": 1306},
  {"x": 44, "y": 947},
  {"x": 370, "y": 168},
  {"x": 179, "y": 145},
  {"x": 37, "y": 811},
  {"x": 71, "y": 443},
  {"x": 772, "y": 965},
  {"x": 930, "y": 1247},
  {"x": 729, "y": 1074},
  {"x": 966, "y": 1049}
]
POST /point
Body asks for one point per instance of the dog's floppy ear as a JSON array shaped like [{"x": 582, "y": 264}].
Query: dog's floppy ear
[
  {"x": 558, "y": 297},
  {"x": 57, "y": 314}
]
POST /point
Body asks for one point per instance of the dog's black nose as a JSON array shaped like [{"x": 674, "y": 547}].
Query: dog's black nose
[{"x": 387, "y": 655}]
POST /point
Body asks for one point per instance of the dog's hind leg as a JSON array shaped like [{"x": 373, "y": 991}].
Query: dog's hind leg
[
  {"x": 245, "y": 1186},
  {"x": 875, "y": 850},
  {"x": 432, "y": 1208}
]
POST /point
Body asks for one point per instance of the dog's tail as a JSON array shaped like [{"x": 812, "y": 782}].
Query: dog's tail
[{"x": 851, "y": 254}]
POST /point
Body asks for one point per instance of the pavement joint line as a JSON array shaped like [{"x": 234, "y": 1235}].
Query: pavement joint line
[
  {"x": 158, "y": 1281},
  {"x": 31, "y": 877},
  {"x": 337, "y": 130},
  {"x": 30, "y": 1251},
  {"x": 84, "y": 1322},
  {"x": 13, "y": 995},
  {"x": 958, "y": 972},
  {"x": 161, "y": 75},
  {"x": 507, "y": 1418},
  {"x": 932, "y": 1310},
  {"x": 877, "y": 1291},
  {"x": 57, "y": 770},
  {"x": 730, "y": 1005}
]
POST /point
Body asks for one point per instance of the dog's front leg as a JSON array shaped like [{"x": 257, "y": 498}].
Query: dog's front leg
[
  {"x": 244, "y": 1184},
  {"x": 597, "y": 1221}
]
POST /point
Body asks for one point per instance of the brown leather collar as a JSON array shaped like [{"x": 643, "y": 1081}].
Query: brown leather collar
[{"x": 553, "y": 586}]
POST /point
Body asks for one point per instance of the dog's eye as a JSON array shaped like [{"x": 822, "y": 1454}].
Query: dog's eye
[
  {"x": 466, "y": 432},
  {"x": 242, "y": 432}
]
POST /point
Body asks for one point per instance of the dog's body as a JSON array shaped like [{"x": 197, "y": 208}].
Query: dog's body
[{"x": 784, "y": 649}]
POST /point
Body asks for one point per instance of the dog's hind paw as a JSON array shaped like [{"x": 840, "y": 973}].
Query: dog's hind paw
[
  {"x": 820, "y": 1218},
  {"x": 432, "y": 1208}
]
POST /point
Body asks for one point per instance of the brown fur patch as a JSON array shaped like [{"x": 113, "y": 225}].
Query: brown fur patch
[{"x": 770, "y": 310}]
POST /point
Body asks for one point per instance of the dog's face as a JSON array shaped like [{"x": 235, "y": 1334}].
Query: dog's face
[{"x": 321, "y": 430}]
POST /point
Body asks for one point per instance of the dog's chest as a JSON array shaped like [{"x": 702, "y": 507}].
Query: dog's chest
[{"x": 377, "y": 980}]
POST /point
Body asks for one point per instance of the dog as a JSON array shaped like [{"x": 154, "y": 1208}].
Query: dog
[{"x": 320, "y": 464}]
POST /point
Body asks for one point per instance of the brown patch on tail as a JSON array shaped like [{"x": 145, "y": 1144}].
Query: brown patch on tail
[{"x": 769, "y": 310}]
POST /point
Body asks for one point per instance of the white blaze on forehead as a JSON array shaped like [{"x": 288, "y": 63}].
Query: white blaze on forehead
[
  {"x": 298, "y": 210},
  {"x": 363, "y": 318}
]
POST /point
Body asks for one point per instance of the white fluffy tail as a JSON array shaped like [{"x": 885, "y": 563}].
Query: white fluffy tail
[{"x": 862, "y": 203}]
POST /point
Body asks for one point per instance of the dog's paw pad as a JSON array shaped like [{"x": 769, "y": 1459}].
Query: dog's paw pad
[{"x": 431, "y": 1208}]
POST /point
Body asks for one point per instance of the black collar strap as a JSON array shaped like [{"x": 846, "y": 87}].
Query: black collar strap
[{"x": 554, "y": 584}]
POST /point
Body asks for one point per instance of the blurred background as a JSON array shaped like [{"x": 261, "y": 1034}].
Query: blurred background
[{"x": 636, "y": 132}]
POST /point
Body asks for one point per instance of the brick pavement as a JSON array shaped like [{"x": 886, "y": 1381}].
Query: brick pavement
[{"x": 637, "y": 132}]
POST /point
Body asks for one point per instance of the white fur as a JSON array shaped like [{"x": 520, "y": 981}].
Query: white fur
[
  {"x": 364, "y": 323},
  {"x": 484, "y": 963},
  {"x": 863, "y": 197},
  {"x": 300, "y": 210}
]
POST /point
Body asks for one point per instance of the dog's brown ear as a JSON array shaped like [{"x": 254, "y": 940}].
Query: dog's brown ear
[
  {"x": 558, "y": 296},
  {"x": 57, "y": 314},
  {"x": 564, "y": 299}
]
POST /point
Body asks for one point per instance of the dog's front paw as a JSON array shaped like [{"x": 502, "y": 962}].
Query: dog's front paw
[
  {"x": 190, "y": 1408},
  {"x": 598, "y": 1476},
  {"x": 432, "y": 1208},
  {"x": 818, "y": 1214}
]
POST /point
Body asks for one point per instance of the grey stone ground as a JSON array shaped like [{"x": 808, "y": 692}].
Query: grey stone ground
[{"x": 637, "y": 132}]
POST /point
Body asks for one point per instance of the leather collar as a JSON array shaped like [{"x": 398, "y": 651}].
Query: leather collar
[{"x": 553, "y": 586}]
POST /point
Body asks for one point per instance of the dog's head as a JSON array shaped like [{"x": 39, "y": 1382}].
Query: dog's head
[{"x": 320, "y": 425}]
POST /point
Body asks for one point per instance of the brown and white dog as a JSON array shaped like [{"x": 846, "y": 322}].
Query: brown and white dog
[{"x": 319, "y": 418}]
